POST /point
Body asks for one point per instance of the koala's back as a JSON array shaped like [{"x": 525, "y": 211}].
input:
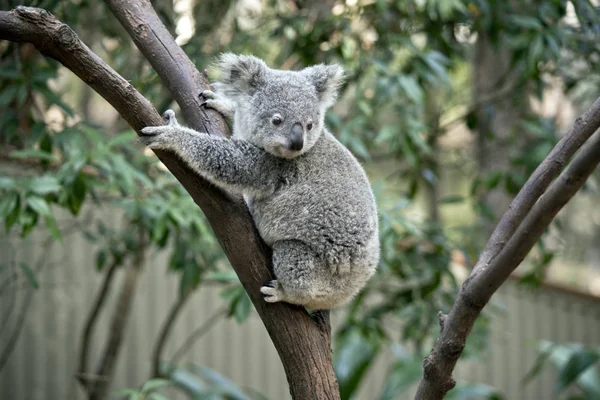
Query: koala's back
[{"x": 325, "y": 201}]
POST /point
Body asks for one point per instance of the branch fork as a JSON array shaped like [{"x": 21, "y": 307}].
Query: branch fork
[{"x": 227, "y": 215}]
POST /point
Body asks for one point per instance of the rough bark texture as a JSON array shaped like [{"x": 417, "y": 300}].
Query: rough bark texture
[
  {"x": 303, "y": 346},
  {"x": 528, "y": 216}
]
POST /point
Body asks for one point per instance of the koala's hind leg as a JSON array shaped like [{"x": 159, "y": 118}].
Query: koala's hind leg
[{"x": 299, "y": 274}]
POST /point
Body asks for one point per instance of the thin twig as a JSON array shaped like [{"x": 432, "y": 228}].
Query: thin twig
[
  {"x": 197, "y": 334},
  {"x": 538, "y": 182},
  {"x": 165, "y": 330},
  {"x": 91, "y": 321},
  {"x": 99, "y": 390},
  {"x": 12, "y": 341}
]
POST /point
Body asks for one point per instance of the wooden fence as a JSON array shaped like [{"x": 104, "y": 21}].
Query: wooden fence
[{"x": 45, "y": 356}]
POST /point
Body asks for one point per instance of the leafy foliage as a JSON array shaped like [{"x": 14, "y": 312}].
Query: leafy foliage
[
  {"x": 409, "y": 71},
  {"x": 576, "y": 365}
]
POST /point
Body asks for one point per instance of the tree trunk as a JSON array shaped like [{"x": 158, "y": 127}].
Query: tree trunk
[{"x": 304, "y": 346}]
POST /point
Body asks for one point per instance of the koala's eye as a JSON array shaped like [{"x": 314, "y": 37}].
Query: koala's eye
[
  {"x": 309, "y": 126},
  {"x": 276, "y": 120}
]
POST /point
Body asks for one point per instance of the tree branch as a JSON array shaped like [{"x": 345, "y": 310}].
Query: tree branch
[
  {"x": 91, "y": 321},
  {"x": 519, "y": 229},
  {"x": 177, "y": 72},
  {"x": 304, "y": 348},
  {"x": 537, "y": 183},
  {"x": 98, "y": 390},
  {"x": 198, "y": 333},
  {"x": 165, "y": 330}
]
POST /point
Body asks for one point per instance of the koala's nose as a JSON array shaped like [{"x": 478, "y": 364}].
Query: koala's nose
[{"x": 297, "y": 137}]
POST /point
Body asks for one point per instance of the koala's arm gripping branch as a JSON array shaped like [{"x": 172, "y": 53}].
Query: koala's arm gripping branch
[
  {"x": 233, "y": 165},
  {"x": 304, "y": 348}
]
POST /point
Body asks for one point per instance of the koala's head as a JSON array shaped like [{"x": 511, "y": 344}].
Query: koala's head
[{"x": 281, "y": 112}]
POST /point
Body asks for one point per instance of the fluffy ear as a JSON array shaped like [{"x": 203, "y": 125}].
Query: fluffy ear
[
  {"x": 327, "y": 80},
  {"x": 241, "y": 74}
]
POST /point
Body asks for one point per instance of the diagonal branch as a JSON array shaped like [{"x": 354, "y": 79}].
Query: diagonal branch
[
  {"x": 177, "y": 72},
  {"x": 537, "y": 183},
  {"x": 303, "y": 346},
  {"x": 518, "y": 231}
]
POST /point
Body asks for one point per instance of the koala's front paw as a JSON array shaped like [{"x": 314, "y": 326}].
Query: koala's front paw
[
  {"x": 271, "y": 291},
  {"x": 161, "y": 137},
  {"x": 218, "y": 102}
]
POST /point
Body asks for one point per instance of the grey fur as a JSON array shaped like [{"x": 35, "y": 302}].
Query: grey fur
[{"x": 314, "y": 206}]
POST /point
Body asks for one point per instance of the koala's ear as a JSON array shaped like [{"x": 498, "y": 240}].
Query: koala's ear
[
  {"x": 327, "y": 80},
  {"x": 241, "y": 74}
]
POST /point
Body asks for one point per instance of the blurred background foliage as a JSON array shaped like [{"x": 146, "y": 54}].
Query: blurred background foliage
[{"x": 449, "y": 104}]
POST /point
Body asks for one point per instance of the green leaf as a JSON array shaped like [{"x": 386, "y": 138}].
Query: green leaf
[
  {"x": 353, "y": 357},
  {"x": 8, "y": 202},
  {"x": 77, "y": 193},
  {"x": 13, "y": 216},
  {"x": 52, "y": 227},
  {"x": 125, "y": 392},
  {"x": 223, "y": 276},
  {"x": 30, "y": 275},
  {"x": 190, "y": 277},
  {"x": 55, "y": 99},
  {"x": 126, "y": 137},
  {"x": 44, "y": 185},
  {"x": 154, "y": 384},
  {"x": 39, "y": 205},
  {"x": 453, "y": 199},
  {"x": 8, "y": 94},
  {"x": 242, "y": 308},
  {"x": 411, "y": 88},
  {"x": 493, "y": 179},
  {"x": 578, "y": 363},
  {"x": 225, "y": 385},
  {"x": 157, "y": 396},
  {"x": 526, "y": 22},
  {"x": 100, "y": 260},
  {"x": 22, "y": 92},
  {"x": 545, "y": 351},
  {"x": 7, "y": 183},
  {"x": 10, "y": 73},
  {"x": 473, "y": 391},
  {"x": 32, "y": 153}
]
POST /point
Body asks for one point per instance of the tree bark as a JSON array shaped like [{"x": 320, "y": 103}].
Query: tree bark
[{"x": 303, "y": 346}]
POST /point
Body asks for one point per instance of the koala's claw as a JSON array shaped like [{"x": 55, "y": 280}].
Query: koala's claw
[
  {"x": 271, "y": 284},
  {"x": 271, "y": 292},
  {"x": 160, "y": 137},
  {"x": 207, "y": 94}
]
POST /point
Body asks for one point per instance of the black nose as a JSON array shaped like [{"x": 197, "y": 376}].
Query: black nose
[{"x": 297, "y": 137}]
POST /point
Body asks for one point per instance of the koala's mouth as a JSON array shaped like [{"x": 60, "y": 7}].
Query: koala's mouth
[{"x": 284, "y": 152}]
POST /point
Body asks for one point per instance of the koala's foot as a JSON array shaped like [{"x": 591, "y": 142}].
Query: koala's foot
[
  {"x": 219, "y": 103},
  {"x": 161, "y": 137},
  {"x": 272, "y": 292}
]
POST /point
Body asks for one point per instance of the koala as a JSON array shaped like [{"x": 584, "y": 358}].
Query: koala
[{"x": 310, "y": 199}]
